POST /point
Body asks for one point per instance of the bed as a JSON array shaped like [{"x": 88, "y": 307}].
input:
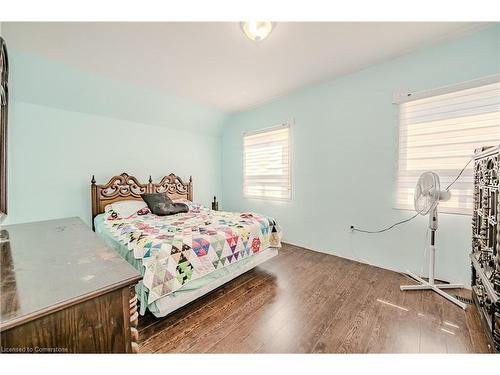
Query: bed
[{"x": 183, "y": 256}]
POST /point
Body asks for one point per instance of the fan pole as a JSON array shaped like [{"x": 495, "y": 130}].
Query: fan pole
[
  {"x": 432, "y": 258},
  {"x": 433, "y": 224},
  {"x": 430, "y": 285}
]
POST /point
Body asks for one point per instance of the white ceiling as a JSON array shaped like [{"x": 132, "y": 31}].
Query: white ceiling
[{"x": 214, "y": 63}]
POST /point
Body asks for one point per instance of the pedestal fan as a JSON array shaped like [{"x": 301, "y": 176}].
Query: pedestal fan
[{"x": 427, "y": 197}]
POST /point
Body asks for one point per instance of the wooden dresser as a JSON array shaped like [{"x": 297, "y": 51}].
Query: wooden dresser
[{"x": 63, "y": 290}]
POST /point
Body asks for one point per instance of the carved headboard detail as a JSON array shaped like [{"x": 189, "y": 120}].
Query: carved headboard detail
[
  {"x": 126, "y": 187},
  {"x": 174, "y": 187}
]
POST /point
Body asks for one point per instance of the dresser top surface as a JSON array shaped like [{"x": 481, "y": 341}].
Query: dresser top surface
[{"x": 54, "y": 263}]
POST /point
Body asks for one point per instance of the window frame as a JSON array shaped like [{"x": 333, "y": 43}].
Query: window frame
[
  {"x": 287, "y": 125},
  {"x": 404, "y": 97}
]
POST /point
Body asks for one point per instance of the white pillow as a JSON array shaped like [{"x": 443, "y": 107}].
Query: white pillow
[{"x": 127, "y": 208}]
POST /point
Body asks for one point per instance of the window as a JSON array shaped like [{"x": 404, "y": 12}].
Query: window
[
  {"x": 266, "y": 163},
  {"x": 439, "y": 131}
]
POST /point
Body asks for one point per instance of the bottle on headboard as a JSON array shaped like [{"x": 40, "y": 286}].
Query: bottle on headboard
[{"x": 215, "y": 204}]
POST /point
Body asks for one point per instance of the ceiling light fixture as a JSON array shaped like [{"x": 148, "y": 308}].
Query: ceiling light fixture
[{"x": 257, "y": 30}]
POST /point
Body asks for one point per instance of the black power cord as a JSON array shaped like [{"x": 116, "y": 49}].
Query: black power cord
[
  {"x": 385, "y": 229},
  {"x": 462, "y": 171},
  {"x": 354, "y": 229}
]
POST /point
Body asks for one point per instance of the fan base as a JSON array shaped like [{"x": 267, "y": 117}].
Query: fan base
[{"x": 424, "y": 285}]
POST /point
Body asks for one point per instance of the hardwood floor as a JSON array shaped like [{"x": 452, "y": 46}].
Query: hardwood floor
[{"x": 304, "y": 301}]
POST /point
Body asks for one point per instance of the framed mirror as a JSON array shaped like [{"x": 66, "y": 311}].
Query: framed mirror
[{"x": 4, "y": 107}]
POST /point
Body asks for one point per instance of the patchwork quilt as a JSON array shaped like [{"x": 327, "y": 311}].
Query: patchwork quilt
[{"x": 179, "y": 248}]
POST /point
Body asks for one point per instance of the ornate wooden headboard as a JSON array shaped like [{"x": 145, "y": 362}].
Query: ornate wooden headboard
[{"x": 126, "y": 187}]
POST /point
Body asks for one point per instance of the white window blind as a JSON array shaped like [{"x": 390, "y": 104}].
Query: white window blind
[
  {"x": 266, "y": 163},
  {"x": 439, "y": 133}
]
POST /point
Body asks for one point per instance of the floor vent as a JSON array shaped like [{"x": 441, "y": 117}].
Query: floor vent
[{"x": 464, "y": 300}]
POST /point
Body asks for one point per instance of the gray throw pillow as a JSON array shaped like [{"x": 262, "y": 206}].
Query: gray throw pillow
[
  {"x": 160, "y": 204},
  {"x": 153, "y": 200},
  {"x": 171, "y": 209}
]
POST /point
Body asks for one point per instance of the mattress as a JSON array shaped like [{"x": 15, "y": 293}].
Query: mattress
[{"x": 190, "y": 291}]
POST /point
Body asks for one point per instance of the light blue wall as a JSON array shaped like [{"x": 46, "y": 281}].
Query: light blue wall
[
  {"x": 53, "y": 154},
  {"x": 344, "y": 156},
  {"x": 66, "y": 124}
]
